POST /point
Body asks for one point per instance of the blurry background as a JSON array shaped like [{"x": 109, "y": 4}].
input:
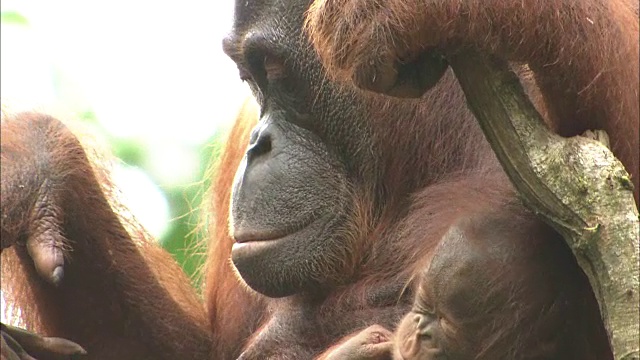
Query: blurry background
[{"x": 148, "y": 77}]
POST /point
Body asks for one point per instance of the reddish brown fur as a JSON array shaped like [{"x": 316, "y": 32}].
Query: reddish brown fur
[
  {"x": 584, "y": 53},
  {"x": 122, "y": 295},
  {"x": 445, "y": 169}
]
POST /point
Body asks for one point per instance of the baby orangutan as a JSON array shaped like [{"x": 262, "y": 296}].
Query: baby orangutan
[{"x": 492, "y": 291}]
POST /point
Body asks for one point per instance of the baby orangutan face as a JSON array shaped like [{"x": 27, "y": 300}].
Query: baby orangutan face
[
  {"x": 433, "y": 330},
  {"x": 418, "y": 336}
]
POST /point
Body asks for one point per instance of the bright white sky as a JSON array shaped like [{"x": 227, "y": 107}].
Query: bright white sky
[
  {"x": 139, "y": 65},
  {"x": 149, "y": 70}
]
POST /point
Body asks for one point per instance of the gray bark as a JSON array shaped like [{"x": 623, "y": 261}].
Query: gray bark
[{"x": 574, "y": 184}]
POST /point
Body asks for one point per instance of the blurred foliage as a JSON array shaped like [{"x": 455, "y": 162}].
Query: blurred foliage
[
  {"x": 184, "y": 237},
  {"x": 13, "y": 17}
]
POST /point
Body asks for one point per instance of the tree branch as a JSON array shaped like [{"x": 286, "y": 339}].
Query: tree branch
[{"x": 574, "y": 184}]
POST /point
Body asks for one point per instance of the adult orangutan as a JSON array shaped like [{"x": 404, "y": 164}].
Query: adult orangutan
[{"x": 341, "y": 197}]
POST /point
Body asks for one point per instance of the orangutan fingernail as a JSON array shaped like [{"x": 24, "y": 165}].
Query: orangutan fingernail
[{"x": 57, "y": 275}]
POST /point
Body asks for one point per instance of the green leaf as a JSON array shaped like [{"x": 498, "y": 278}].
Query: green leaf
[{"x": 13, "y": 17}]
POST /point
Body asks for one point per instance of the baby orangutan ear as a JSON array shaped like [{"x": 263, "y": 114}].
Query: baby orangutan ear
[{"x": 417, "y": 337}]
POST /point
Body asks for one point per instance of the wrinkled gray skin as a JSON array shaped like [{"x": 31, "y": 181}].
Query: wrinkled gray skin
[{"x": 314, "y": 147}]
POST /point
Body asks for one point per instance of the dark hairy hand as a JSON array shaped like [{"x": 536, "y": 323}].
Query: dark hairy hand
[{"x": 19, "y": 344}]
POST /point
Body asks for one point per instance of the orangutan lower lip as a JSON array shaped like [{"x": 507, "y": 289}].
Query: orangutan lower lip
[
  {"x": 252, "y": 242},
  {"x": 258, "y": 235},
  {"x": 250, "y": 235},
  {"x": 250, "y": 247}
]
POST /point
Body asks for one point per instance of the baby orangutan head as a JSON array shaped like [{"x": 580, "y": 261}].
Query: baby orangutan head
[{"x": 448, "y": 303}]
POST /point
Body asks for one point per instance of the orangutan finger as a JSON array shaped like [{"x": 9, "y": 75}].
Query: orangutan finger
[
  {"x": 12, "y": 350},
  {"x": 46, "y": 250},
  {"x": 33, "y": 342},
  {"x": 6, "y": 350}
]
